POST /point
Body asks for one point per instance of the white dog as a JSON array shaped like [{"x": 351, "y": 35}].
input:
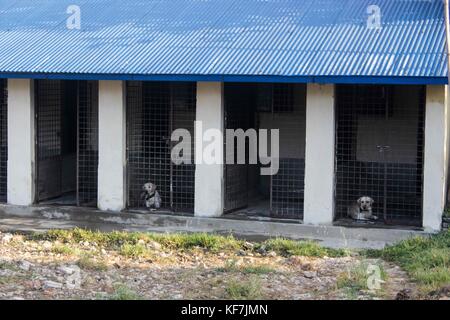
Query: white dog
[
  {"x": 362, "y": 209},
  {"x": 151, "y": 196}
]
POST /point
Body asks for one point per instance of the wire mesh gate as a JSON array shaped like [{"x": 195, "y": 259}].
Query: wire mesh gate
[
  {"x": 3, "y": 139},
  {"x": 271, "y": 106},
  {"x": 87, "y": 154},
  {"x": 154, "y": 111},
  {"x": 379, "y": 150},
  {"x": 67, "y": 141}
]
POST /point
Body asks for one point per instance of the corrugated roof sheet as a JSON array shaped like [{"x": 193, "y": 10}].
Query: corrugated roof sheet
[{"x": 302, "y": 40}]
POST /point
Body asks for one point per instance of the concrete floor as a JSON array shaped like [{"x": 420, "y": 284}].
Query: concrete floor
[{"x": 42, "y": 218}]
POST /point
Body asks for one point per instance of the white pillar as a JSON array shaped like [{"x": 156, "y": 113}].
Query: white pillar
[
  {"x": 436, "y": 156},
  {"x": 112, "y": 146},
  {"x": 209, "y": 184},
  {"x": 319, "y": 157},
  {"x": 21, "y": 142}
]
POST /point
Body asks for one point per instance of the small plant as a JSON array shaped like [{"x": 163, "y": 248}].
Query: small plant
[
  {"x": 262, "y": 269},
  {"x": 63, "y": 249},
  {"x": 231, "y": 266},
  {"x": 447, "y": 213},
  {"x": 287, "y": 247},
  {"x": 133, "y": 250},
  {"x": 122, "y": 292},
  {"x": 244, "y": 290},
  {"x": 359, "y": 278},
  {"x": 86, "y": 262}
]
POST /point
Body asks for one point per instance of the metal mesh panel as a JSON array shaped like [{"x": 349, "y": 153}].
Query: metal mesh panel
[
  {"x": 154, "y": 110},
  {"x": 277, "y": 106},
  {"x": 238, "y": 111},
  {"x": 87, "y": 142},
  {"x": 379, "y": 150},
  {"x": 289, "y": 116},
  {"x": 49, "y": 151},
  {"x": 67, "y": 141},
  {"x": 3, "y": 139}
]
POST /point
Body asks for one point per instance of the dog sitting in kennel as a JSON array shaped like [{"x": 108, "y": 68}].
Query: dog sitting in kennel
[
  {"x": 151, "y": 196},
  {"x": 361, "y": 210}
]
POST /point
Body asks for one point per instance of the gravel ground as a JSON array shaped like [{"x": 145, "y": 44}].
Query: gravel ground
[{"x": 52, "y": 270}]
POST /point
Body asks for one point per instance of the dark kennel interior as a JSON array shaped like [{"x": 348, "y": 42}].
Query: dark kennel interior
[
  {"x": 67, "y": 142},
  {"x": 267, "y": 106},
  {"x": 154, "y": 111},
  {"x": 3, "y": 139},
  {"x": 379, "y": 150}
]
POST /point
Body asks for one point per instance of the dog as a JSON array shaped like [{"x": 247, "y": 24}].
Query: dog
[
  {"x": 362, "y": 209},
  {"x": 151, "y": 196}
]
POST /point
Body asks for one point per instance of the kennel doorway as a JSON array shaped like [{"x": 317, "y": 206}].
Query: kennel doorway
[
  {"x": 267, "y": 106},
  {"x": 379, "y": 150},
  {"x": 3, "y": 139},
  {"x": 154, "y": 111},
  {"x": 66, "y": 142}
]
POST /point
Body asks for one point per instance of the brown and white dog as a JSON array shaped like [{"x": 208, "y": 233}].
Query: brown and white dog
[{"x": 362, "y": 209}]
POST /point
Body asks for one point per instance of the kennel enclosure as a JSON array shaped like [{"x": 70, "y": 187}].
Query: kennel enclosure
[
  {"x": 154, "y": 111},
  {"x": 267, "y": 106},
  {"x": 66, "y": 142},
  {"x": 380, "y": 150}
]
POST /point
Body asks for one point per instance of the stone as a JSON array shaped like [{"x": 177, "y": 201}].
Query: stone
[
  {"x": 52, "y": 285},
  {"x": 262, "y": 250},
  {"x": 7, "y": 237},
  {"x": 25, "y": 265},
  {"x": 404, "y": 294},
  {"x": 310, "y": 274},
  {"x": 272, "y": 254},
  {"x": 47, "y": 245},
  {"x": 69, "y": 269},
  {"x": 154, "y": 245},
  {"x": 248, "y": 245}
]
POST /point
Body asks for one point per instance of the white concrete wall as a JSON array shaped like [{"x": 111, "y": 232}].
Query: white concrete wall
[
  {"x": 209, "y": 184},
  {"x": 319, "y": 158},
  {"x": 112, "y": 146},
  {"x": 21, "y": 142},
  {"x": 436, "y": 156}
]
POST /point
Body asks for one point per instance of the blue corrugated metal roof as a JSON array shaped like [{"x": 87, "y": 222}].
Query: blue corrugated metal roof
[{"x": 230, "y": 40}]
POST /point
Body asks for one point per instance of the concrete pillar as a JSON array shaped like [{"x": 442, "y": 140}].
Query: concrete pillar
[
  {"x": 21, "y": 142},
  {"x": 209, "y": 184},
  {"x": 112, "y": 146},
  {"x": 319, "y": 157},
  {"x": 436, "y": 156}
]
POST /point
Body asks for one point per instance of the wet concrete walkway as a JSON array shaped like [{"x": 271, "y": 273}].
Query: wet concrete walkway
[{"x": 39, "y": 219}]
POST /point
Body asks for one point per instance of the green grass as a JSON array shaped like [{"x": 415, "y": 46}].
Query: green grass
[
  {"x": 63, "y": 249},
  {"x": 287, "y": 247},
  {"x": 86, "y": 262},
  {"x": 133, "y": 250},
  {"x": 356, "y": 279},
  {"x": 447, "y": 213},
  {"x": 8, "y": 265},
  {"x": 132, "y": 243},
  {"x": 230, "y": 266},
  {"x": 262, "y": 269},
  {"x": 426, "y": 259},
  {"x": 244, "y": 290},
  {"x": 122, "y": 292}
]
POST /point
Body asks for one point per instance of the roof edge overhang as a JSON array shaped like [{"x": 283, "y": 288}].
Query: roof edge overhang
[{"x": 399, "y": 80}]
